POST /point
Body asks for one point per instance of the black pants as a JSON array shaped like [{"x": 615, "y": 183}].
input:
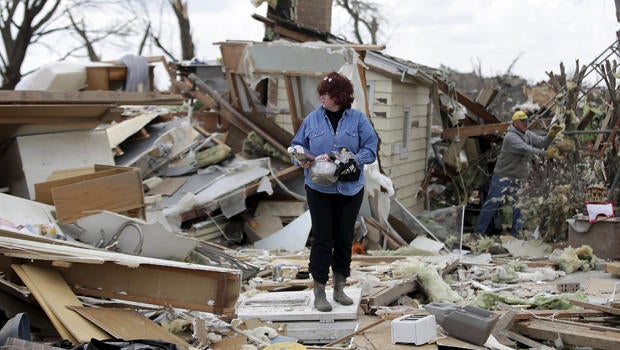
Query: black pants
[{"x": 333, "y": 224}]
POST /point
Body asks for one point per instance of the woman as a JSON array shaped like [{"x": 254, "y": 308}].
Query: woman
[{"x": 330, "y": 129}]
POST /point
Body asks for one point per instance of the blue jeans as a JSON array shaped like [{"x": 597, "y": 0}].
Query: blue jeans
[{"x": 499, "y": 189}]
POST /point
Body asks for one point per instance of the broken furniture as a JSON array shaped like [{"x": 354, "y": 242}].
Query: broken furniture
[
  {"x": 103, "y": 274},
  {"x": 32, "y": 159},
  {"x": 117, "y": 189},
  {"x": 110, "y": 77}
]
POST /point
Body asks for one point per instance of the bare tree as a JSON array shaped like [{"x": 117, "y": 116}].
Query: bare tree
[
  {"x": 512, "y": 64},
  {"x": 187, "y": 42},
  {"x": 124, "y": 25},
  {"x": 21, "y": 24},
  {"x": 365, "y": 15}
]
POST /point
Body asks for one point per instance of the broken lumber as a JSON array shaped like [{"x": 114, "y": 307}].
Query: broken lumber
[
  {"x": 237, "y": 117},
  {"x": 89, "y": 97},
  {"x": 569, "y": 334},
  {"x": 603, "y": 308},
  {"x": 120, "y": 276}
]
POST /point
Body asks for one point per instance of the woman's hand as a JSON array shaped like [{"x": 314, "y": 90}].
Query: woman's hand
[{"x": 306, "y": 164}]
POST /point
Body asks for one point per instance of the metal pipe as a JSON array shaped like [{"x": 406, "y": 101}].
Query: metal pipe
[{"x": 121, "y": 229}]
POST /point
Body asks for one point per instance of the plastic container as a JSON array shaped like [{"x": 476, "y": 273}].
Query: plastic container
[
  {"x": 322, "y": 172},
  {"x": 468, "y": 323}
]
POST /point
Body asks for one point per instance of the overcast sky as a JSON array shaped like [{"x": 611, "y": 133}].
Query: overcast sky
[{"x": 539, "y": 34}]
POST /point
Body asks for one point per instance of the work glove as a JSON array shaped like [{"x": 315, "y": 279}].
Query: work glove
[
  {"x": 554, "y": 153},
  {"x": 554, "y": 130},
  {"x": 347, "y": 171}
]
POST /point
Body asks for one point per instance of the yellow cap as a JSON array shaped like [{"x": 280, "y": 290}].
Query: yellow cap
[{"x": 519, "y": 115}]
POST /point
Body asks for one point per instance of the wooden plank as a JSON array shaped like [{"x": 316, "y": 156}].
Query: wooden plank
[
  {"x": 613, "y": 268},
  {"x": 292, "y": 101},
  {"x": 128, "y": 324},
  {"x": 49, "y": 113},
  {"x": 471, "y": 106},
  {"x": 49, "y": 288},
  {"x": 89, "y": 97},
  {"x": 116, "y": 193},
  {"x": 606, "y": 309},
  {"x": 395, "y": 241},
  {"x": 573, "y": 335},
  {"x": 43, "y": 190},
  {"x": 525, "y": 340},
  {"x": 486, "y": 129},
  {"x": 60, "y": 328},
  {"x": 392, "y": 293},
  {"x": 475, "y": 130},
  {"x": 529, "y": 314}
]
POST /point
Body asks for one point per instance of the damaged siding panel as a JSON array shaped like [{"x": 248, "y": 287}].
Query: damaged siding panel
[
  {"x": 403, "y": 151},
  {"x": 283, "y": 119},
  {"x": 395, "y": 125}
]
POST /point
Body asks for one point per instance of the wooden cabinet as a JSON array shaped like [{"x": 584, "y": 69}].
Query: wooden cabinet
[{"x": 110, "y": 77}]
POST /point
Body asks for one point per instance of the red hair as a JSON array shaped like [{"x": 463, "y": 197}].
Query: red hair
[{"x": 339, "y": 88}]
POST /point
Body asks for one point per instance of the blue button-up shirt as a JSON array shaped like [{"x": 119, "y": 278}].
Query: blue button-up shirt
[{"x": 354, "y": 132}]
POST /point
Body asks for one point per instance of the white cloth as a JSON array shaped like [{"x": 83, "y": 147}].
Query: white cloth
[{"x": 597, "y": 209}]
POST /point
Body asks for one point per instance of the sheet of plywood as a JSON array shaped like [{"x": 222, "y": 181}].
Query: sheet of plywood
[
  {"x": 60, "y": 328},
  {"x": 50, "y": 289},
  {"x": 118, "y": 132},
  {"x": 116, "y": 193},
  {"x": 128, "y": 324},
  {"x": 296, "y": 306}
]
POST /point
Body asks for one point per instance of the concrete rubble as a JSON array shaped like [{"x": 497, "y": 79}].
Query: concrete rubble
[{"x": 177, "y": 217}]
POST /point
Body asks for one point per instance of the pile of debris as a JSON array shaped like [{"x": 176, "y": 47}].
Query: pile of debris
[{"x": 175, "y": 219}]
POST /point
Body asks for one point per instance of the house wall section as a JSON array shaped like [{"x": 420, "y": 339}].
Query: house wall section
[
  {"x": 406, "y": 169},
  {"x": 404, "y": 161},
  {"x": 283, "y": 119}
]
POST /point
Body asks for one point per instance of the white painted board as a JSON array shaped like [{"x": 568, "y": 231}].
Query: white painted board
[
  {"x": 157, "y": 242},
  {"x": 291, "y": 237},
  {"x": 40, "y": 155},
  {"x": 296, "y": 306}
]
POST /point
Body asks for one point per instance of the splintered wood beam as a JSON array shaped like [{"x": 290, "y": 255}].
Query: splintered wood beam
[
  {"x": 392, "y": 237},
  {"x": 487, "y": 129},
  {"x": 475, "y": 130},
  {"x": 392, "y": 293},
  {"x": 529, "y": 314},
  {"x": 292, "y": 101},
  {"x": 89, "y": 97},
  {"x": 225, "y": 105},
  {"x": 56, "y": 113},
  {"x": 569, "y": 334},
  {"x": 603, "y": 308},
  {"x": 472, "y": 106}
]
